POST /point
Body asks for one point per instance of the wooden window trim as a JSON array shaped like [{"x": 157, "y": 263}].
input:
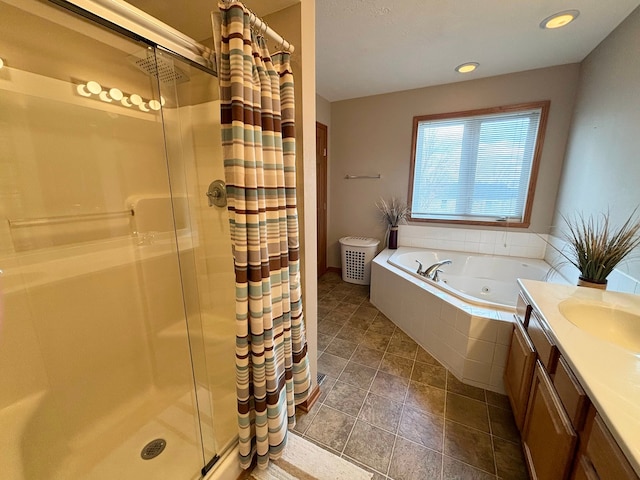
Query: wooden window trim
[{"x": 535, "y": 165}]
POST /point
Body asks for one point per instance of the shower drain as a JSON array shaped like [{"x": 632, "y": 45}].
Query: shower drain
[{"x": 153, "y": 448}]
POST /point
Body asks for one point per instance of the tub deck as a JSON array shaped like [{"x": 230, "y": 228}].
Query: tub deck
[{"x": 471, "y": 341}]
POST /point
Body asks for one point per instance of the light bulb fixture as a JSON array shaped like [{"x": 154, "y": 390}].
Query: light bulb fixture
[
  {"x": 1, "y": 63},
  {"x": 104, "y": 96},
  {"x": 93, "y": 89},
  {"x": 467, "y": 67},
  {"x": 559, "y": 19},
  {"x": 82, "y": 90},
  {"x": 135, "y": 99},
  {"x": 116, "y": 94}
]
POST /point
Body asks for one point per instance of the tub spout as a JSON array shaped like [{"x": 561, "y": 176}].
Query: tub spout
[{"x": 433, "y": 270}]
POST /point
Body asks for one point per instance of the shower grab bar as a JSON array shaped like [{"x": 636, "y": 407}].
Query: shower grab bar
[
  {"x": 353, "y": 177},
  {"x": 35, "y": 222}
]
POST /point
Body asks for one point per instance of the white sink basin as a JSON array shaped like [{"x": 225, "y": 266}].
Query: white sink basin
[{"x": 606, "y": 321}]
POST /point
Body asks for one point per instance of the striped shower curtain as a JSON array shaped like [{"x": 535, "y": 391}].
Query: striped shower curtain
[{"x": 258, "y": 137}]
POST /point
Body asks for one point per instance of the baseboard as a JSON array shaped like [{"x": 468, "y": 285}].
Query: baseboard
[
  {"x": 310, "y": 401},
  {"x": 334, "y": 270}
]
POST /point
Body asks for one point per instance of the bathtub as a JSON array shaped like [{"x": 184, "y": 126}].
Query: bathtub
[
  {"x": 465, "y": 320},
  {"x": 481, "y": 280}
]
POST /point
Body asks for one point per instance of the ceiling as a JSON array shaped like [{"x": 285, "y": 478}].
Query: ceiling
[{"x": 369, "y": 47}]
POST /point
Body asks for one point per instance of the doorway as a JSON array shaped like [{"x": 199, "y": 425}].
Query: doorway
[{"x": 321, "y": 189}]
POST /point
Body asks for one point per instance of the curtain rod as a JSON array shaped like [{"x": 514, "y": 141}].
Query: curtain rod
[{"x": 262, "y": 26}]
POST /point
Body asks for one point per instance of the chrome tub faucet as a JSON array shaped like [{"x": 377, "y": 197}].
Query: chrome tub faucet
[{"x": 433, "y": 271}]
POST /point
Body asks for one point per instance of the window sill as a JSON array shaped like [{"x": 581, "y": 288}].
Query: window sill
[{"x": 480, "y": 223}]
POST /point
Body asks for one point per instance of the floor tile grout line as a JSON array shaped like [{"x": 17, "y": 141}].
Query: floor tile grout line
[
  {"x": 406, "y": 393},
  {"x": 402, "y": 408},
  {"x": 444, "y": 426},
  {"x": 493, "y": 447},
  {"x": 365, "y": 400}
]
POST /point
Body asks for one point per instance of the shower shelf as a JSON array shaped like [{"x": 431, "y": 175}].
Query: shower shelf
[{"x": 35, "y": 222}]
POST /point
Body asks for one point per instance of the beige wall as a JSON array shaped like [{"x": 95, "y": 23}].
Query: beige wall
[
  {"x": 372, "y": 135},
  {"x": 323, "y": 110},
  {"x": 602, "y": 166}
]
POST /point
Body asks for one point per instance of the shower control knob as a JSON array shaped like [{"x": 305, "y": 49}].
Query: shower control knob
[{"x": 217, "y": 194}]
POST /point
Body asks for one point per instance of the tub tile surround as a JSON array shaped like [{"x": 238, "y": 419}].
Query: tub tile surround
[
  {"x": 508, "y": 243},
  {"x": 490, "y": 242},
  {"x": 472, "y": 342},
  {"x": 413, "y": 419}
]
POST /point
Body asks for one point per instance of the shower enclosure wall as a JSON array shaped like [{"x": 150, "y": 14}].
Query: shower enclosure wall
[{"x": 117, "y": 288}]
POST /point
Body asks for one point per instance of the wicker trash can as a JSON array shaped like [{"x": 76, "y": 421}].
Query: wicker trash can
[{"x": 357, "y": 254}]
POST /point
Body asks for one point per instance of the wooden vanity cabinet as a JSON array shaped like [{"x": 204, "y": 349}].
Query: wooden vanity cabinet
[
  {"x": 600, "y": 457},
  {"x": 563, "y": 436},
  {"x": 519, "y": 373},
  {"x": 548, "y": 438}
]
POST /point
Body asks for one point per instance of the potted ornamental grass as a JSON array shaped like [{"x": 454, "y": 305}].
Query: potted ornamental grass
[
  {"x": 392, "y": 213},
  {"x": 595, "y": 246}
]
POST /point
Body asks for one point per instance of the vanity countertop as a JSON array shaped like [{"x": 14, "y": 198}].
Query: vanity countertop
[{"x": 609, "y": 373}]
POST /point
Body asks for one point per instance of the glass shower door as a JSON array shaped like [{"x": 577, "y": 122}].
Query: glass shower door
[
  {"x": 191, "y": 119},
  {"x": 95, "y": 368}
]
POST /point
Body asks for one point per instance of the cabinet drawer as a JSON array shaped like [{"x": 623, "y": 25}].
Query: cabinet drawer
[
  {"x": 573, "y": 397},
  {"x": 547, "y": 351},
  {"x": 605, "y": 455}
]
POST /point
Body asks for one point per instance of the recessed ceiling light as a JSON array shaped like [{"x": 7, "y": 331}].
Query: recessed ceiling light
[
  {"x": 467, "y": 67},
  {"x": 560, "y": 19}
]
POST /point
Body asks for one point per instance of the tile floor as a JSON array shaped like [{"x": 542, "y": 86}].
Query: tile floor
[{"x": 390, "y": 407}]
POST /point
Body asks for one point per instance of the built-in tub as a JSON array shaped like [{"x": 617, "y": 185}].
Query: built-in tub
[
  {"x": 464, "y": 320},
  {"x": 481, "y": 280}
]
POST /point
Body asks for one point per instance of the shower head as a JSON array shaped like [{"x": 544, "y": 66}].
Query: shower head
[{"x": 154, "y": 65}]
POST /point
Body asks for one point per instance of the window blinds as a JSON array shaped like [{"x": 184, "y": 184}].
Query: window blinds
[{"x": 474, "y": 167}]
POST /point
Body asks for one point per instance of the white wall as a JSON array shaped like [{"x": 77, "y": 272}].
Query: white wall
[{"x": 602, "y": 165}]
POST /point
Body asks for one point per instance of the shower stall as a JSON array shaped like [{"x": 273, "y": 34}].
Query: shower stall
[{"x": 117, "y": 288}]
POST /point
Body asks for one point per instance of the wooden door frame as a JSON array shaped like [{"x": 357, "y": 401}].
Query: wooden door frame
[{"x": 322, "y": 197}]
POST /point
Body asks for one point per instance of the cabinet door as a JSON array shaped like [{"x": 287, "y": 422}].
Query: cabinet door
[
  {"x": 548, "y": 437},
  {"x": 608, "y": 460},
  {"x": 519, "y": 372},
  {"x": 583, "y": 470}
]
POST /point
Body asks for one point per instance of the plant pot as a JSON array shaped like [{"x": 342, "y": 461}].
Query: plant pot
[
  {"x": 583, "y": 282},
  {"x": 393, "y": 238}
]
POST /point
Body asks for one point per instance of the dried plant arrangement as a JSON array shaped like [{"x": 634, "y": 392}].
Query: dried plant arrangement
[
  {"x": 595, "y": 246},
  {"x": 392, "y": 212}
]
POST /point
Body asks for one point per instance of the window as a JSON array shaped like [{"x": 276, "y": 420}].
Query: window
[{"x": 478, "y": 166}]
